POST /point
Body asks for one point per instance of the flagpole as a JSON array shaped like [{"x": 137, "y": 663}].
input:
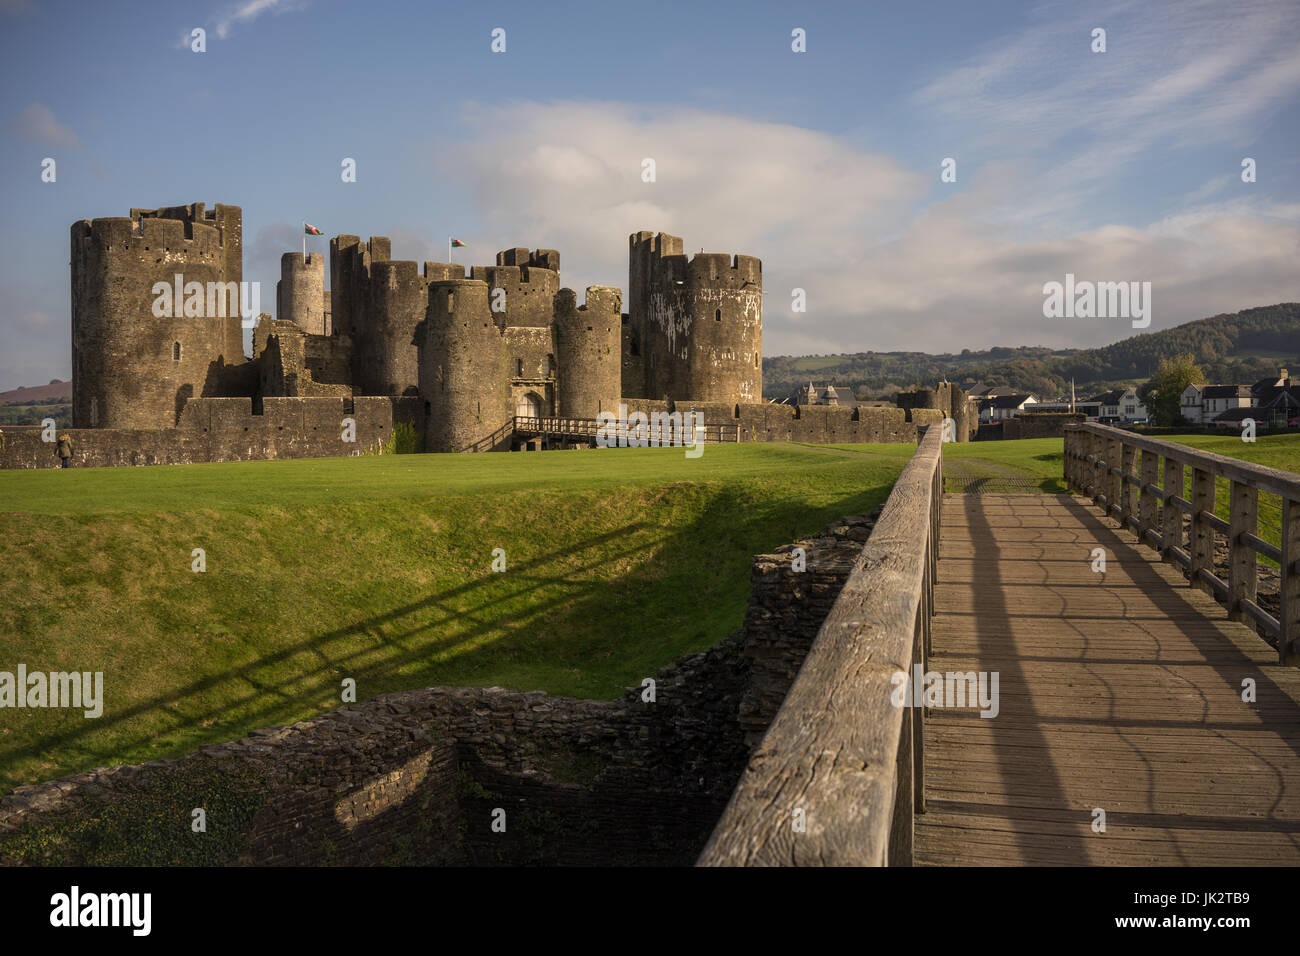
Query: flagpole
[
  {"x": 304, "y": 240},
  {"x": 449, "y": 250}
]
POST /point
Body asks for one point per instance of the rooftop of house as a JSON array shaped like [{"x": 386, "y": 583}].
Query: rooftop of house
[{"x": 1007, "y": 401}]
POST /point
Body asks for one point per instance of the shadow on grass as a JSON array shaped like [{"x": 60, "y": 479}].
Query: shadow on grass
[{"x": 254, "y": 696}]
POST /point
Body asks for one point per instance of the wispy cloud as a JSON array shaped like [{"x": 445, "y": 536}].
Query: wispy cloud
[
  {"x": 224, "y": 22},
  {"x": 1174, "y": 76},
  {"x": 250, "y": 10},
  {"x": 36, "y": 124}
]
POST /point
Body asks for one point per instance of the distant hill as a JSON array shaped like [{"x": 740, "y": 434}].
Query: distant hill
[
  {"x": 1236, "y": 348},
  {"x": 37, "y": 393}
]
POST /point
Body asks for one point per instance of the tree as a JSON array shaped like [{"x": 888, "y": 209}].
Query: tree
[{"x": 1167, "y": 385}]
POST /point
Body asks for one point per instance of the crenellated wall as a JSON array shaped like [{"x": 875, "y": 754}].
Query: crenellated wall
[{"x": 218, "y": 429}]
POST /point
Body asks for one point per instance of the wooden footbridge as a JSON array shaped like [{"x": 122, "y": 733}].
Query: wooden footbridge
[{"x": 1136, "y": 718}]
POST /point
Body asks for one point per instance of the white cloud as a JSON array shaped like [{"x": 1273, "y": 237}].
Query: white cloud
[
  {"x": 36, "y": 124},
  {"x": 248, "y": 11},
  {"x": 840, "y": 222}
]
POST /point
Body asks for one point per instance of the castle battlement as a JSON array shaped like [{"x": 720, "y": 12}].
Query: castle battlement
[{"x": 437, "y": 336}]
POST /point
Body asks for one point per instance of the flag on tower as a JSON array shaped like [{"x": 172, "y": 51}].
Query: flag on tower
[
  {"x": 456, "y": 243},
  {"x": 311, "y": 230}
]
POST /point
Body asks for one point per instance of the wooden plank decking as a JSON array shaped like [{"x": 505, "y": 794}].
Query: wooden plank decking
[{"x": 1119, "y": 691}]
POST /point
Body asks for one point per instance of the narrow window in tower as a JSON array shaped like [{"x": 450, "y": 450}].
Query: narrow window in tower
[
  {"x": 519, "y": 368},
  {"x": 450, "y": 296},
  {"x": 176, "y": 351},
  {"x": 717, "y": 315}
]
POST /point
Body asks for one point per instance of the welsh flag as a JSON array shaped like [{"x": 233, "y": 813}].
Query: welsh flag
[
  {"x": 456, "y": 243},
  {"x": 311, "y": 230}
]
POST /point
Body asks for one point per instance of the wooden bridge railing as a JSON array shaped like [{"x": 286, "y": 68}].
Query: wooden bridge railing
[
  {"x": 839, "y": 774},
  {"x": 656, "y": 432},
  {"x": 1102, "y": 462}
]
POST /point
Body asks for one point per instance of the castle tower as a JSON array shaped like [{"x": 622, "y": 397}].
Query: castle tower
[
  {"x": 529, "y": 280},
  {"x": 300, "y": 293},
  {"x": 387, "y": 354},
  {"x": 697, "y": 323},
  {"x": 130, "y": 367},
  {"x": 588, "y": 346},
  {"x": 350, "y": 261},
  {"x": 462, "y": 367}
]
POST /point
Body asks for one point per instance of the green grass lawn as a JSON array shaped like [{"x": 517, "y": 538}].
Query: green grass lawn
[
  {"x": 1273, "y": 451},
  {"x": 379, "y": 569},
  {"x": 1040, "y": 460}
]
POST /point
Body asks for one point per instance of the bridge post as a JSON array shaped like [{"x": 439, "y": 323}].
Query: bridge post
[
  {"x": 1172, "y": 519},
  {"x": 1115, "y": 474},
  {"x": 1288, "y": 617},
  {"x": 1147, "y": 497},
  {"x": 1128, "y": 492},
  {"x": 1243, "y": 510},
  {"x": 1201, "y": 536}
]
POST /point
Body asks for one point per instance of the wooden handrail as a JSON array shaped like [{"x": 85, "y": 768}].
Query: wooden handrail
[
  {"x": 1100, "y": 462},
  {"x": 839, "y": 751}
]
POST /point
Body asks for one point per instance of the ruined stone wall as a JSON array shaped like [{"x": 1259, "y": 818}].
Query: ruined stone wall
[
  {"x": 1040, "y": 424},
  {"x": 283, "y": 367},
  {"x": 329, "y": 358},
  {"x": 218, "y": 429},
  {"x": 414, "y": 777}
]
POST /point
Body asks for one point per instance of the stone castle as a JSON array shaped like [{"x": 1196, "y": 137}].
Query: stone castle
[
  {"x": 459, "y": 355},
  {"x": 464, "y": 362}
]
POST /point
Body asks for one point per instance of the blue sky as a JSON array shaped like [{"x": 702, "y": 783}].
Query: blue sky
[{"x": 1123, "y": 165}]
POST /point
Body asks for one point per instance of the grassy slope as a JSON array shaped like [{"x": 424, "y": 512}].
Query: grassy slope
[{"x": 379, "y": 569}]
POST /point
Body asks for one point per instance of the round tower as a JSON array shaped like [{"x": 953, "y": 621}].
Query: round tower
[
  {"x": 724, "y": 301},
  {"x": 462, "y": 368},
  {"x": 387, "y": 352},
  {"x": 301, "y": 291},
  {"x": 588, "y": 353},
  {"x": 155, "y": 313}
]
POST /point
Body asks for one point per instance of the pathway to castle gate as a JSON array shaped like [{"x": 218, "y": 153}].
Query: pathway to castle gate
[{"x": 1119, "y": 692}]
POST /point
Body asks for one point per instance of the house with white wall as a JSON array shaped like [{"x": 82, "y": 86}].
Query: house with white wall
[{"x": 1200, "y": 404}]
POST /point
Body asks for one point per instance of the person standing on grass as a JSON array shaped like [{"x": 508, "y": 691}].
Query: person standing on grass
[{"x": 64, "y": 451}]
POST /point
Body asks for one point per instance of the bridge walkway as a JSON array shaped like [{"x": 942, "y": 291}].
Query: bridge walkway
[{"x": 1118, "y": 691}]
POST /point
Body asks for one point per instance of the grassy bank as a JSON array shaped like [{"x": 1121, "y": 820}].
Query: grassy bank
[{"x": 379, "y": 569}]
